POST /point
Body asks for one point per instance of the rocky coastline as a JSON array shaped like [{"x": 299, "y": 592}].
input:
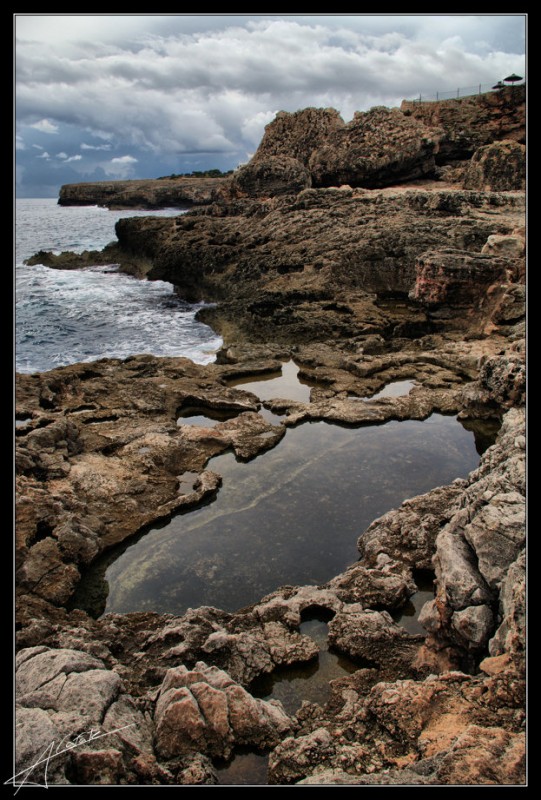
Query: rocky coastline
[
  {"x": 182, "y": 191},
  {"x": 388, "y": 248}
]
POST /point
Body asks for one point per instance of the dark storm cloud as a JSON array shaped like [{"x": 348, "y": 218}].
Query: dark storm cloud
[{"x": 208, "y": 83}]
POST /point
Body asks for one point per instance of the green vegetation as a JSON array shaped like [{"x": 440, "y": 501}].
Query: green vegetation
[{"x": 208, "y": 173}]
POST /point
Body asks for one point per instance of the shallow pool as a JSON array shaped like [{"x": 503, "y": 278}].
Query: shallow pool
[{"x": 291, "y": 516}]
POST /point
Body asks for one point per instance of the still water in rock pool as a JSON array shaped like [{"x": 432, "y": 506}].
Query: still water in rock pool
[{"x": 291, "y": 516}]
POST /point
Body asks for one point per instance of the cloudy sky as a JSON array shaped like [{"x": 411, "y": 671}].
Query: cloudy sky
[{"x": 130, "y": 96}]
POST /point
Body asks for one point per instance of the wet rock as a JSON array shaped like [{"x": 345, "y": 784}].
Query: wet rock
[
  {"x": 390, "y": 586},
  {"x": 204, "y": 710},
  {"x": 372, "y": 636},
  {"x": 408, "y": 534}
]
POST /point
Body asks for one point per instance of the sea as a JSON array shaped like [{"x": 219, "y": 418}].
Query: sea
[{"x": 68, "y": 316}]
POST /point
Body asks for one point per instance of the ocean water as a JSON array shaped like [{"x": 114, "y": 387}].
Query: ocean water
[{"x": 63, "y": 317}]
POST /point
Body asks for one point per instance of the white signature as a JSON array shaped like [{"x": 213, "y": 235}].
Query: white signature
[{"x": 22, "y": 778}]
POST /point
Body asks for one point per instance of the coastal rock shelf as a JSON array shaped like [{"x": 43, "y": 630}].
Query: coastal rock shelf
[{"x": 385, "y": 310}]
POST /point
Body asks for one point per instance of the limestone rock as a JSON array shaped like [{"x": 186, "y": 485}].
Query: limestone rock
[
  {"x": 271, "y": 177},
  {"x": 377, "y": 148},
  {"x": 41, "y": 665},
  {"x": 296, "y": 135},
  {"x": 510, "y": 636},
  {"x": 408, "y": 534},
  {"x": 179, "y": 192},
  {"x": 101, "y": 767},
  {"x": 510, "y": 246},
  {"x": 497, "y": 534},
  {"x": 456, "y": 278},
  {"x": 474, "y": 625},
  {"x": 35, "y": 733},
  {"x": 462, "y": 125},
  {"x": 497, "y": 167},
  {"x": 372, "y": 636},
  {"x": 458, "y": 576},
  {"x": 389, "y": 586},
  {"x": 295, "y": 758},
  {"x": 483, "y": 756},
  {"x": 204, "y": 710}
]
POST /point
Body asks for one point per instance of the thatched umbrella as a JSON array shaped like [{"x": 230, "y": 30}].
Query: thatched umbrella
[
  {"x": 512, "y": 78},
  {"x": 499, "y": 85}
]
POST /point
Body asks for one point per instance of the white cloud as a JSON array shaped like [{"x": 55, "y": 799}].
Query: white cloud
[
  {"x": 85, "y": 146},
  {"x": 45, "y": 154},
  {"x": 45, "y": 126},
  {"x": 38, "y": 146},
  {"x": 19, "y": 142},
  {"x": 124, "y": 160},
  {"x": 73, "y": 158},
  {"x": 62, "y": 155},
  {"x": 120, "y": 166},
  {"x": 186, "y": 85}
]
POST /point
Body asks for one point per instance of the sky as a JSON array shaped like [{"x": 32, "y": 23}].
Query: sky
[{"x": 104, "y": 97}]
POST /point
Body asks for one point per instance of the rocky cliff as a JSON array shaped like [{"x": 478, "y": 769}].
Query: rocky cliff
[
  {"x": 363, "y": 285},
  {"x": 181, "y": 192}
]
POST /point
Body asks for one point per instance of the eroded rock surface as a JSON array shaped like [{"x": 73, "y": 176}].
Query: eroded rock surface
[{"x": 320, "y": 275}]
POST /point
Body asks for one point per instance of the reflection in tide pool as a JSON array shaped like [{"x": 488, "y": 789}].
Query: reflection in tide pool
[
  {"x": 291, "y": 516},
  {"x": 306, "y": 681},
  {"x": 286, "y": 384}
]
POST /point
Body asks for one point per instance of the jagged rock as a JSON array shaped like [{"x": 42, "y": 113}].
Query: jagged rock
[
  {"x": 456, "y": 278},
  {"x": 483, "y": 756},
  {"x": 511, "y": 246},
  {"x": 462, "y": 125},
  {"x": 296, "y": 135},
  {"x": 377, "y": 148},
  {"x": 271, "y": 177},
  {"x": 196, "y": 770},
  {"x": 474, "y": 625},
  {"x": 205, "y": 711},
  {"x": 372, "y": 636},
  {"x": 389, "y": 586},
  {"x": 510, "y": 637},
  {"x": 497, "y": 534},
  {"x": 497, "y": 167},
  {"x": 457, "y": 573},
  {"x": 321, "y": 275},
  {"x": 408, "y": 534},
  {"x": 295, "y": 758}
]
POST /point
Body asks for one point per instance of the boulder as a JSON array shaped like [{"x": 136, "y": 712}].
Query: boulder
[
  {"x": 497, "y": 167},
  {"x": 203, "y": 710}
]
